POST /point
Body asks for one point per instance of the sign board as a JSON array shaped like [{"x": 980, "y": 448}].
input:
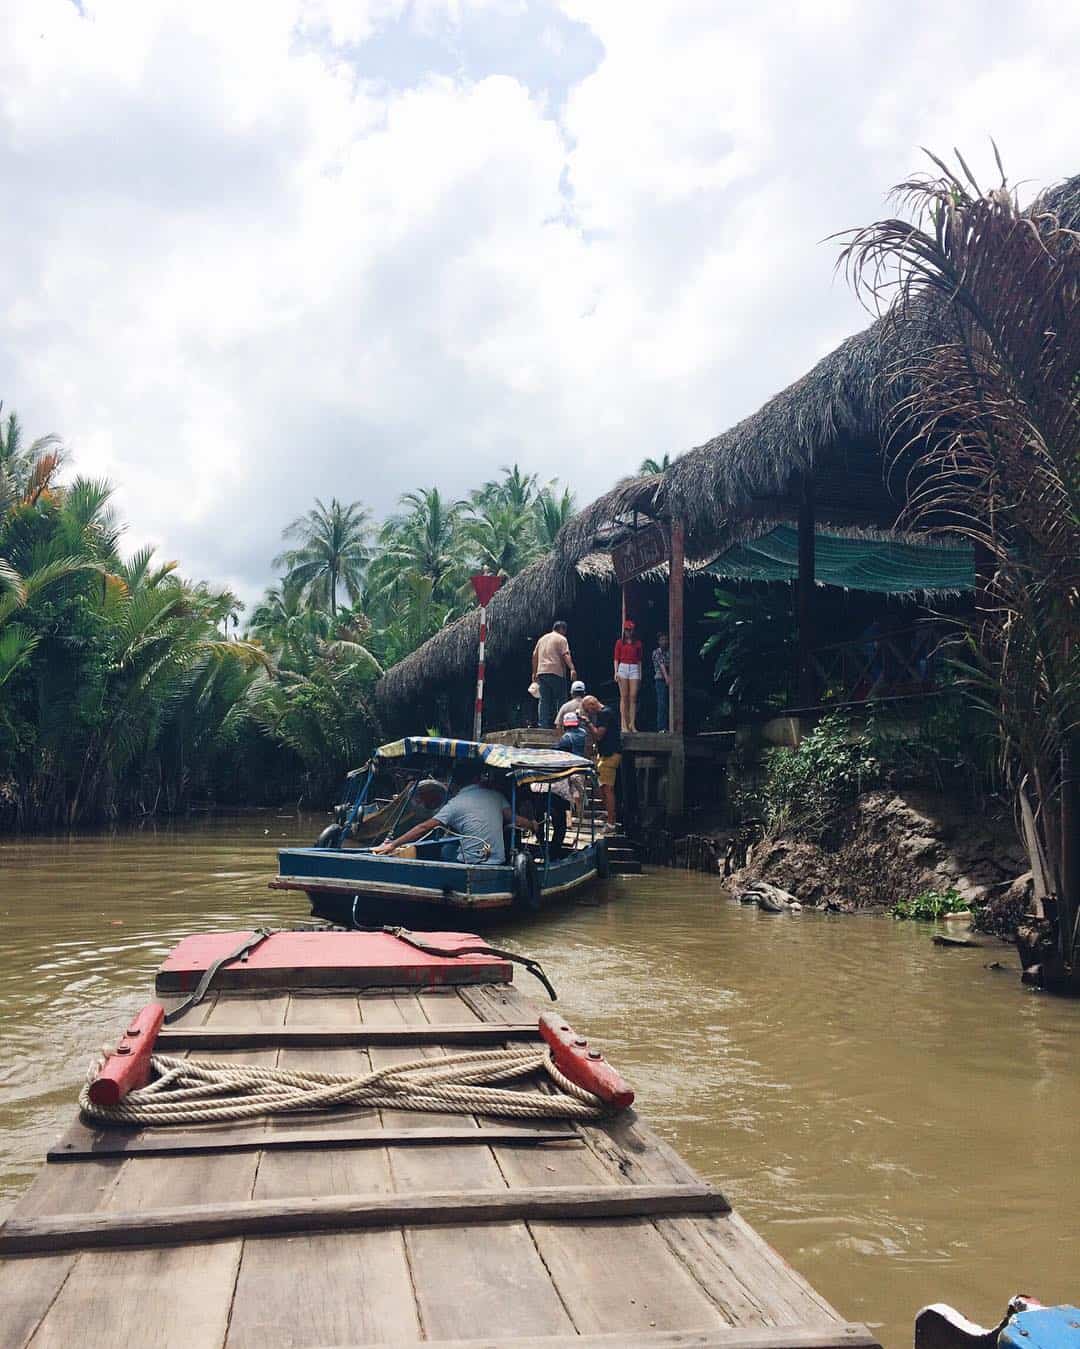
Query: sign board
[
  {"x": 640, "y": 553},
  {"x": 485, "y": 586}
]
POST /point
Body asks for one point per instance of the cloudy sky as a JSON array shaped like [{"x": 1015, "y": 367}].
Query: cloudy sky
[{"x": 256, "y": 251}]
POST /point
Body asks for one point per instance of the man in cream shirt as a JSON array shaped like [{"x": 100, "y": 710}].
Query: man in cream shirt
[{"x": 550, "y": 663}]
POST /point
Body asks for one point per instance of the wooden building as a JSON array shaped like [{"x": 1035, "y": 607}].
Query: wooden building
[{"x": 810, "y": 469}]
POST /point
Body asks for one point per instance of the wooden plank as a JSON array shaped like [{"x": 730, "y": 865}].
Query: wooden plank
[
  {"x": 728, "y": 1260},
  {"x": 494, "y": 1281},
  {"x": 847, "y": 1335},
  {"x": 186, "y": 1224},
  {"x": 111, "y": 1297},
  {"x": 28, "y": 1288},
  {"x": 292, "y": 1036},
  {"x": 356, "y": 1286},
  {"x": 641, "y": 1282},
  {"x": 81, "y": 1144}
]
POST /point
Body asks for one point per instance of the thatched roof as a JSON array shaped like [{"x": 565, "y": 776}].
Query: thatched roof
[
  {"x": 828, "y": 419},
  {"x": 737, "y": 485},
  {"x": 527, "y": 604},
  {"x": 829, "y": 422}
]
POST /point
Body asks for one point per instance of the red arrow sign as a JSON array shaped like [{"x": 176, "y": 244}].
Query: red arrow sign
[{"x": 485, "y": 586}]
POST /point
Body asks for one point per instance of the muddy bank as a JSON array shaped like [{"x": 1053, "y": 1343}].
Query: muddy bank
[{"x": 892, "y": 847}]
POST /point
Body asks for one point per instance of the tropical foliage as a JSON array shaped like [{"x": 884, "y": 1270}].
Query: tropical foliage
[
  {"x": 805, "y": 790},
  {"x": 121, "y": 692},
  {"x": 930, "y": 905},
  {"x": 119, "y": 689},
  {"x": 987, "y": 436}
]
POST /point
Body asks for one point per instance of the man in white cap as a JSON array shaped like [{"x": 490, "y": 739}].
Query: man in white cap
[
  {"x": 577, "y": 692},
  {"x": 564, "y": 793}
]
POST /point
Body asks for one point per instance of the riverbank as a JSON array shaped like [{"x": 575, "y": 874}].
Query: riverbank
[{"x": 891, "y": 848}]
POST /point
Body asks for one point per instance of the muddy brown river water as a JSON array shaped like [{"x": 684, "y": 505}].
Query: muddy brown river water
[{"x": 900, "y": 1121}]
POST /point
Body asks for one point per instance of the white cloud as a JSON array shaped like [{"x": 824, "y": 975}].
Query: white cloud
[{"x": 261, "y": 251}]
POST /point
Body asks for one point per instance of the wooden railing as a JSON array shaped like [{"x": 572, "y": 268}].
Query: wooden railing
[{"x": 890, "y": 664}]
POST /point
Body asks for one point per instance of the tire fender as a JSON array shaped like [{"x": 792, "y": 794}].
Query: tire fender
[
  {"x": 330, "y": 837},
  {"x": 526, "y": 882},
  {"x": 603, "y": 861}
]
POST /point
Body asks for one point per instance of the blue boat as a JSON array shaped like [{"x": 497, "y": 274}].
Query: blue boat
[{"x": 352, "y": 884}]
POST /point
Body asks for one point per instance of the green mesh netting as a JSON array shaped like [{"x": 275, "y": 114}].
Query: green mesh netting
[{"x": 889, "y": 568}]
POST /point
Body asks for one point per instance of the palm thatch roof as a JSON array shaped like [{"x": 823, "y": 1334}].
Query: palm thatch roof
[
  {"x": 743, "y": 482},
  {"x": 830, "y": 423},
  {"x": 528, "y": 603}
]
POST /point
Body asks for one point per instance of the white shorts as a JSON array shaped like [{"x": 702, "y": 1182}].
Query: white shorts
[{"x": 624, "y": 671}]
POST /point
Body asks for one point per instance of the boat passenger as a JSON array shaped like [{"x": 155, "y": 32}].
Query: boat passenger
[
  {"x": 564, "y": 793},
  {"x": 476, "y": 813},
  {"x": 429, "y": 796},
  {"x": 577, "y": 692},
  {"x": 602, "y": 723}
]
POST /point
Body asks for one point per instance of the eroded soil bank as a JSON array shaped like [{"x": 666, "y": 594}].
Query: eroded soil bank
[{"x": 894, "y": 846}]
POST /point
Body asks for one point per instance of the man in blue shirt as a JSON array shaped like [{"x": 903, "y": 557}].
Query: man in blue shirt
[{"x": 476, "y": 813}]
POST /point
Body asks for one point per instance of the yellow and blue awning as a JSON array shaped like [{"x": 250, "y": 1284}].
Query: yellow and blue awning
[{"x": 527, "y": 765}]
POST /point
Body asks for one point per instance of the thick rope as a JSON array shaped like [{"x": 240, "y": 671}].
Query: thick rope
[{"x": 196, "y": 1091}]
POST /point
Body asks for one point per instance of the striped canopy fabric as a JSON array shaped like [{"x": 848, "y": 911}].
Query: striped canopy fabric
[
  {"x": 527, "y": 765},
  {"x": 884, "y": 566}
]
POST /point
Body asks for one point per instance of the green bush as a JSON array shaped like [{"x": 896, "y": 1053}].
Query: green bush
[
  {"x": 806, "y": 789},
  {"x": 931, "y": 905}
]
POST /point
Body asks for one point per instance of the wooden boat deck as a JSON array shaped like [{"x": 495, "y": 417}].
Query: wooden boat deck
[{"x": 248, "y": 1244}]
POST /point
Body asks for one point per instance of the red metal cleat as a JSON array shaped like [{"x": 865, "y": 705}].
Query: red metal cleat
[
  {"x": 584, "y": 1067},
  {"x": 128, "y": 1067}
]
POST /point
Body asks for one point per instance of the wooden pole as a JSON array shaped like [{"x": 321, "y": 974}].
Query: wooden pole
[
  {"x": 676, "y": 784},
  {"x": 676, "y": 589},
  {"x": 478, "y": 707},
  {"x": 1069, "y": 901},
  {"x": 808, "y": 691}
]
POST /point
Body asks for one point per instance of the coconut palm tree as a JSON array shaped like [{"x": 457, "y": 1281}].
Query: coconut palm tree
[
  {"x": 660, "y": 465},
  {"x": 332, "y": 551},
  {"x": 424, "y": 540},
  {"x": 25, "y": 468},
  {"x": 502, "y": 534},
  {"x": 552, "y": 510}
]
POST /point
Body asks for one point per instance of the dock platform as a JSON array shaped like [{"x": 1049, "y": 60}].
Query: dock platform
[{"x": 367, "y": 1228}]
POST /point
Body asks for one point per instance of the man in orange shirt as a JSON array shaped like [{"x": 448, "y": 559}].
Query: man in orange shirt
[{"x": 551, "y": 661}]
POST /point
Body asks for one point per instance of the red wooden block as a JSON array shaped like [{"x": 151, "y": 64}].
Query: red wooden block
[
  {"x": 129, "y": 1067},
  {"x": 584, "y": 1067},
  {"x": 329, "y": 960}
]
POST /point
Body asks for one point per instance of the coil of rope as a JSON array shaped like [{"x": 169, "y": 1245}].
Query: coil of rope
[{"x": 194, "y": 1091}]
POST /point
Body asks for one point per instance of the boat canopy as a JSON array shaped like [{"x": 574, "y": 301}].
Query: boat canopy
[{"x": 526, "y": 765}]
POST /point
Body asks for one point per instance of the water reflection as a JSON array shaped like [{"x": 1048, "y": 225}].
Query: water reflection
[{"x": 898, "y": 1120}]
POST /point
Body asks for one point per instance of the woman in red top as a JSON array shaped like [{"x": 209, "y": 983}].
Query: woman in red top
[{"x": 628, "y": 655}]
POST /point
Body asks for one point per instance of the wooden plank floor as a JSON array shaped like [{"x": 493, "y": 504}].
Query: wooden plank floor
[{"x": 636, "y": 1281}]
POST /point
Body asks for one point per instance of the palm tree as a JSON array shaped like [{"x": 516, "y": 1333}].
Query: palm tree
[
  {"x": 551, "y": 512},
  {"x": 426, "y": 541},
  {"x": 987, "y": 437},
  {"x": 516, "y": 489},
  {"x": 332, "y": 551},
  {"x": 25, "y": 470},
  {"x": 660, "y": 465},
  {"x": 503, "y": 536}
]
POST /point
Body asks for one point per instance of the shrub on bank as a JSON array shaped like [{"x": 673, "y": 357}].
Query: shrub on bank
[
  {"x": 806, "y": 790},
  {"x": 930, "y": 905}
]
